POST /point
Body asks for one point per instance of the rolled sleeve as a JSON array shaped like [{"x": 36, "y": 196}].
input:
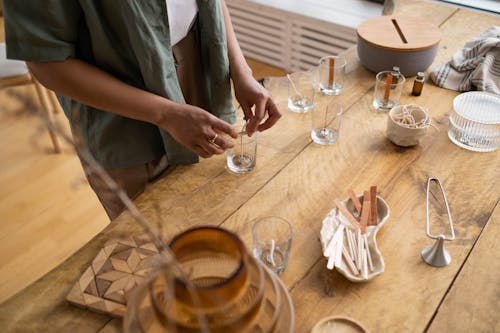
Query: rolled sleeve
[{"x": 41, "y": 30}]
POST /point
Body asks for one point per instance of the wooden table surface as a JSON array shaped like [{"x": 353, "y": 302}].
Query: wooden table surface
[{"x": 298, "y": 180}]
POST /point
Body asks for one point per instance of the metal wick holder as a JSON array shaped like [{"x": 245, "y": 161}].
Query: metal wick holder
[{"x": 436, "y": 255}]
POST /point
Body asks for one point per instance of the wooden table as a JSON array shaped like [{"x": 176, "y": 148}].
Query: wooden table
[{"x": 298, "y": 180}]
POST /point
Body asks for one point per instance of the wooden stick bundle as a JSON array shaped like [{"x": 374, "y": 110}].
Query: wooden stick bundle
[{"x": 349, "y": 242}]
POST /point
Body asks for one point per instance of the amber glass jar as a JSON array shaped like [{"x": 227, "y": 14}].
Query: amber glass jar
[{"x": 216, "y": 286}]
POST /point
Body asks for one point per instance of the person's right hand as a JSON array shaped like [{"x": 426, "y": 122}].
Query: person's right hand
[{"x": 196, "y": 129}]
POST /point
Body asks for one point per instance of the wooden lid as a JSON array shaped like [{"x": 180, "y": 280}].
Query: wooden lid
[{"x": 403, "y": 33}]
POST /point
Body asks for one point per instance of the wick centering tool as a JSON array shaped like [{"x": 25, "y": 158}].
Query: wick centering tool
[{"x": 436, "y": 255}]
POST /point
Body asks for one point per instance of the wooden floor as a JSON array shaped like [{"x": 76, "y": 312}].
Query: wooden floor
[{"x": 47, "y": 209}]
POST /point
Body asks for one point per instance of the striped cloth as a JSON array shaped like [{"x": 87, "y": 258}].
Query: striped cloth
[{"x": 475, "y": 67}]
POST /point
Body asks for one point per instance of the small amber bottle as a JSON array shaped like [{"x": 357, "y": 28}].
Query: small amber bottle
[{"x": 418, "y": 84}]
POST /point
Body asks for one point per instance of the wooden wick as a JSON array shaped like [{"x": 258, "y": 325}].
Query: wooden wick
[
  {"x": 338, "y": 252},
  {"x": 359, "y": 261},
  {"x": 365, "y": 212},
  {"x": 349, "y": 261},
  {"x": 331, "y": 262},
  {"x": 326, "y": 118},
  {"x": 334, "y": 250},
  {"x": 373, "y": 206},
  {"x": 330, "y": 248},
  {"x": 331, "y": 72},
  {"x": 344, "y": 211},
  {"x": 355, "y": 200},
  {"x": 364, "y": 266},
  {"x": 388, "y": 82},
  {"x": 368, "y": 254},
  {"x": 351, "y": 242}
]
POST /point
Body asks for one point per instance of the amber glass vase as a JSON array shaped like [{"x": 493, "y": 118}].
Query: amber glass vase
[{"x": 216, "y": 286}]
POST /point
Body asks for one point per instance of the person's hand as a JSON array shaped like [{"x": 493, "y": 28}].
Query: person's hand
[
  {"x": 198, "y": 130},
  {"x": 250, "y": 93}
]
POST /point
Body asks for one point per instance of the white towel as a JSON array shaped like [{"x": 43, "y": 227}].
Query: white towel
[{"x": 475, "y": 67}]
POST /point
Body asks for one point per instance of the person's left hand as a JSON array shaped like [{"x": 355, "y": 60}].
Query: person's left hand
[{"x": 250, "y": 93}]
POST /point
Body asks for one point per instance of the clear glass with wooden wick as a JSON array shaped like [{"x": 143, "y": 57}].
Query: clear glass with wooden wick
[
  {"x": 301, "y": 89},
  {"x": 326, "y": 120},
  {"x": 243, "y": 156},
  {"x": 272, "y": 241},
  {"x": 331, "y": 72},
  {"x": 388, "y": 88}
]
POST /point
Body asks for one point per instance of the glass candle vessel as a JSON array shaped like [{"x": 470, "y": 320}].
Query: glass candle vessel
[
  {"x": 216, "y": 286},
  {"x": 388, "y": 88}
]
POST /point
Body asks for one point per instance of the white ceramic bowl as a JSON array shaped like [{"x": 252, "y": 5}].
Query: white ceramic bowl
[
  {"x": 329, "y": 227},
  {"x": 404, "y": 135}
]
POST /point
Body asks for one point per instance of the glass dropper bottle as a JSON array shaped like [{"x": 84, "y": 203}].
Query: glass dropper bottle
[{"x": 418, "y": 84}]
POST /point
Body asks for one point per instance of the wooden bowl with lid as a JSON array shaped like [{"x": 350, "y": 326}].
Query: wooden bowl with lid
[{"x": 408, "y": 42}]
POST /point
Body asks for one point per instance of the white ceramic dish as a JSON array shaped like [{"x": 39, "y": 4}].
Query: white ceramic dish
[
  {"x": 330, "y": 225},
  {"x": 338, "y": 324}
]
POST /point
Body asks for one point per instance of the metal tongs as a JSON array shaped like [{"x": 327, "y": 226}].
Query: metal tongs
[{"x": 436, "y": 255}]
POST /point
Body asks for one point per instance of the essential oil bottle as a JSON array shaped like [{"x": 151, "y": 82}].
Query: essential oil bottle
[{"x": 418, "y": 84}]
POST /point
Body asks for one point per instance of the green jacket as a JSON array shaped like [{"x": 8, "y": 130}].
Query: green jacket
[{"x": 129, "y": 39}]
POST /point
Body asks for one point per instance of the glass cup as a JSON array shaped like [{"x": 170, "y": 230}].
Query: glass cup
[
  {"x": 331, "y": 72},
  {"x": 242, "y": 157},
  {"x": 388, "y": 88},
  {"x": 326, "y": 123},
  {"x": 272, "y": 240},
  {"x": 301, "y": 91}
]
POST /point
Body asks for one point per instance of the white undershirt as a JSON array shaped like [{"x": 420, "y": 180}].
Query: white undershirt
[{"x": 181, "y": 14}]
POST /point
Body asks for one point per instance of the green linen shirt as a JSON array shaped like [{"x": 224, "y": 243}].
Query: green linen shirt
[{"x": 129, "y": 39}]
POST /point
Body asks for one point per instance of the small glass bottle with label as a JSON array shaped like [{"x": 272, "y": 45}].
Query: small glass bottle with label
[{"x": 418, "y": 84}]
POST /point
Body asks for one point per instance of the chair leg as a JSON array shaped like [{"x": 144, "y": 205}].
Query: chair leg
[{"x": 44, "y": 101}]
